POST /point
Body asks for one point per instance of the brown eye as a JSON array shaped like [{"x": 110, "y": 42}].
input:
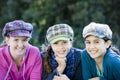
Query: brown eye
[
  {"x": 25, "y": 39},
  {"x": 16, "y": 40},
  {"x": 87, "y": 42},
  {"x": 64, "y": 41},
  {"x": 97, "y": 41},
  {"x": 55, "y": 43}
]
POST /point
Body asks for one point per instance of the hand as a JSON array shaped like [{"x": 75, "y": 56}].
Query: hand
[
  {"x": 61, "y": 77},
  {"x": 61, "y": 64},
  {"x": 95, "y": 78}
]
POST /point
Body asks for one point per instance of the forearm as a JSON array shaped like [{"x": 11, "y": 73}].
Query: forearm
[
  {"x": 50, "y": 77},
  {"x": 97, "y": 78}
]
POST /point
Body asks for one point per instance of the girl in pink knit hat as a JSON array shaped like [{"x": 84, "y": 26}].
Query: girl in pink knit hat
[{"x": 18, "y": 59}]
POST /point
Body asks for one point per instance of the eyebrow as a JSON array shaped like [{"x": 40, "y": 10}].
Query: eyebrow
[{"x": 94, "y": 39}]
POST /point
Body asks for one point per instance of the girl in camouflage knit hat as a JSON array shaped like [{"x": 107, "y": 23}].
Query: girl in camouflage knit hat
[{"x": 60, "y": 60}]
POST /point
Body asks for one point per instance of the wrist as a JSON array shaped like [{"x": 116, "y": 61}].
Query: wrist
[{"x": 60, "y": 69}]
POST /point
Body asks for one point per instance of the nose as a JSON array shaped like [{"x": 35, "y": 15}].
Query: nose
[
  {"x": 60, "y": 46},
  {"x": 20, "y": 44},
  {"x": 92, "y": 46}
]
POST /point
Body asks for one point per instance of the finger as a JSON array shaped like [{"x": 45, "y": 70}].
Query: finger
[{"x": 56, "y": 78}]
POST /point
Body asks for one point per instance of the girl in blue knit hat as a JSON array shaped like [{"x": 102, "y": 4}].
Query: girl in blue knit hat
[
  {"x": 18, "y": 59},
  {"x": 99, "y": 60},
  {"x": 60, "y": 60}
]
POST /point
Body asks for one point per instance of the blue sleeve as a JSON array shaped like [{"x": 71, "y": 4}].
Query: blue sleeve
[
  {"x": 116, "y": 67},
  {"x": 85, "y": 69},
  {"x": 88, "y": 66},
  {"x": 55, "y": 72},
  {"x": 77, "y": 73},
  {"x": 50, "y": 77},
  {"x": 102, "y": 78}
]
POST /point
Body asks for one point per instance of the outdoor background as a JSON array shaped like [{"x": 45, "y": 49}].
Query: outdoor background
[{"x": 77, "y": 13}]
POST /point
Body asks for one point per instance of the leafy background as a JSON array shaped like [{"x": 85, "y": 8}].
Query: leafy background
[{"x": 77, "y": 13}]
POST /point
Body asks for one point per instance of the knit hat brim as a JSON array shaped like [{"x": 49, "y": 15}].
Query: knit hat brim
[{"x": 58, "y": 38}]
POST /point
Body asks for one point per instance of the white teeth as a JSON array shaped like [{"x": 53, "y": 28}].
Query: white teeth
[
  {"x": 61, "y": 52},
  {"x": 92, "y": 52}
]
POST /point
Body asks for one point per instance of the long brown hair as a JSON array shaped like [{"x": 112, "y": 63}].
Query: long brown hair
[
  {"x": 46, "y": 61},
  {"x": 114, "y": 48}
]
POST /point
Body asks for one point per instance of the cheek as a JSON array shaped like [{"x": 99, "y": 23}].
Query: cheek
[
  {"x": 68, "y": 47},
  {"x": 53, "y": 48},
  {"x": 11, "y": 43},
  {"x": 8, "y": 42},
  {"x": 87, "y": 47},
  {"x": 25, "y": 43}
]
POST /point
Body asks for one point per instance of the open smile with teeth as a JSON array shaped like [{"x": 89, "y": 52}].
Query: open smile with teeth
[
  {"x": 61, "y": 52},
  {"x": 93, "y": 52}
]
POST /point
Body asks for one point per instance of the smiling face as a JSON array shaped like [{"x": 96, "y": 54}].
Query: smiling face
[
  {"x": 17, "y": 45},
  {"x": 96, "y": 47},
  {"x": 61, "y": 48}
]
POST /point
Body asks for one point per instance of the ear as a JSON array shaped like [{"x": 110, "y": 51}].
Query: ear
[
  {"x": 108, "y": 43},
  {"x": 7, "y": 40}
]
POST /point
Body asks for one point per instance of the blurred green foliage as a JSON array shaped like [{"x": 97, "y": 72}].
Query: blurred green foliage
[{"x": 77, "y": 13}]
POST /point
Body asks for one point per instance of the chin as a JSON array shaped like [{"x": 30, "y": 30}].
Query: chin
[
  {"x": 93, "y": 55},
  {"x": 62, "y": 56}
]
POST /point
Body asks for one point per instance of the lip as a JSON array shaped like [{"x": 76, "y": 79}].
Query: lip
[
  {"x": 62, "y": 55},
  {"x": 93, "y": 52},
  {"x": 61, "y": 52},
  {"x": 20, "y": 50}
]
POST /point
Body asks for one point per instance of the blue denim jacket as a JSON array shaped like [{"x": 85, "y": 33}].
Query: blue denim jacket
[{"x": 77, "y": 68}]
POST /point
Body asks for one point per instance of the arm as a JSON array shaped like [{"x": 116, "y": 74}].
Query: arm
[
  {"x": 115, "y": 66},
  {"x": 61, "y": 77},
  {"x": 61, "y": 64},
  {"x": 2, "y": 72},
  {"x": 97, "y": 78},
  {"x": 85, "y": 70},
  {"x": 51, "y": 76},
  {"x": 36, "y": 73},
  {"x": 77, "y": 73},
  {"x": 59, "y": 70},
  {"x": 3, "y": 67},
  {"x": 88, "y": 66}
]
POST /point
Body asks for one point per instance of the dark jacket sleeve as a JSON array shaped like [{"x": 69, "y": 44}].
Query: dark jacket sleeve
[
  {"x": 77, "y": 73},
  {"x": 49, "y": 77}
]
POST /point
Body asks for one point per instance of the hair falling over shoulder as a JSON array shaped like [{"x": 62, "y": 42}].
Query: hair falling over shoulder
[
  {"x": 3, "y": 44},
  {"x": 46, "y": 61},
  {"x": 115, "y": 50}
]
